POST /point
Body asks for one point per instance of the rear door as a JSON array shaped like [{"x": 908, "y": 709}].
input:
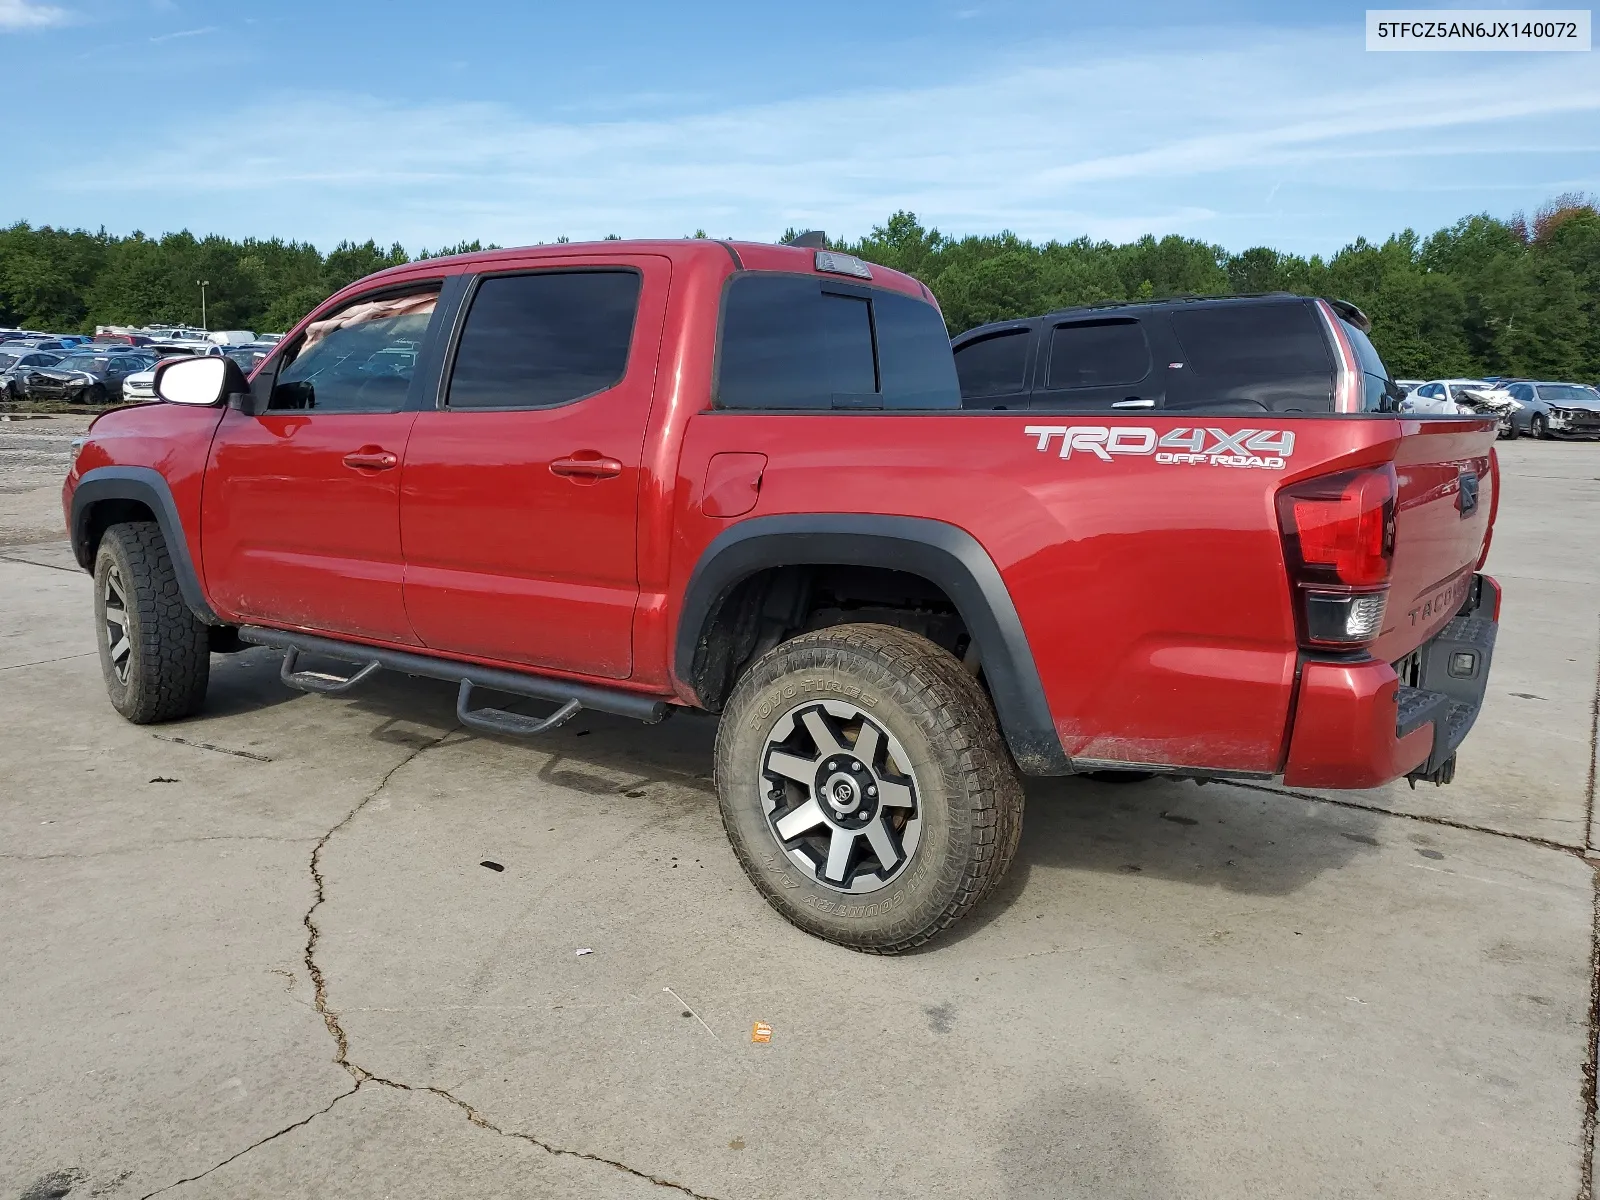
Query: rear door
[
  {"x": 519, "y": 503},
  {"x": 1098, "y": 363}
]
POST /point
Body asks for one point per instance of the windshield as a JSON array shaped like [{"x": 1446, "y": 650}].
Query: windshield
[
  {"x": 83, "y": 362},
  {"x": 1568, "y": 393}
]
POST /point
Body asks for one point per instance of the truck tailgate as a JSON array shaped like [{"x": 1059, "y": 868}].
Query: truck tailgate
[{"x": 1448, "y": 479}]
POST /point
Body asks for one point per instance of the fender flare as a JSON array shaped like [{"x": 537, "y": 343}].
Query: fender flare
[
  {"x": 147, "y": 487},
  {"x": 941, "y": 553}
]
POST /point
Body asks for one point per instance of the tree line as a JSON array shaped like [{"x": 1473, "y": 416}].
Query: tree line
[{"x": 1519, "y": 296}]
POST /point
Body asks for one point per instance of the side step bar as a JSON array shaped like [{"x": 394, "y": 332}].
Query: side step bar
[{"x": 572, "y": 697}]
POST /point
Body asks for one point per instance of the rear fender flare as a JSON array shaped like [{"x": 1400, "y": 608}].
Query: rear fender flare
[
  {"x": 943, "y": 554},
  {"x": 147, "y": 487}
]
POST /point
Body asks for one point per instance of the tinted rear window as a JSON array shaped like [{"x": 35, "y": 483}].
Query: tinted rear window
[
  {"x": 532, "y": 341},
  {"x": 1098, "y": 354},
  {"x": 797, "y": 342},
  {"x": 1243, "y": 357},
  {"x": 1254, "y": 342},
  {"x": 993, "y": 366}
]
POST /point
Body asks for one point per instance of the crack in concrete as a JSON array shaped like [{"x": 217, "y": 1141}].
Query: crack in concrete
[
  {"x": 319, "y": 885},
  {"x": 478, "y": 1119},
  {"x": 360, "y": 1074},
  {"x": 28, "y": 562},
  {"x": 1594, "y": 750},
  {"x": 188, "y": 841},
  {"x": 44, "y": 662},
  {"x": 255, "y": 1145},
  {"x": 1423, "y": 818},
  {"x": 1591, "y": 1062}
]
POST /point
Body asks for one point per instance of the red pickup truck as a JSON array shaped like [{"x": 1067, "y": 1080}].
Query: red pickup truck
[{"x": 634, "y": 476}]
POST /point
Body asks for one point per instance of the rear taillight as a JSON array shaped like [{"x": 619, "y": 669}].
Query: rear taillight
[{"x": 1338, "y": 542}]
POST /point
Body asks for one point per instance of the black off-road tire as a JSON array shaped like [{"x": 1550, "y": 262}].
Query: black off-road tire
[
  {"x": 968, "y": 797},
  {"x": 162, "y": 674}
]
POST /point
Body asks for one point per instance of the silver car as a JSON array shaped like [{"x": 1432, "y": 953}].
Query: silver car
[{"x": 1555, "y": 409}]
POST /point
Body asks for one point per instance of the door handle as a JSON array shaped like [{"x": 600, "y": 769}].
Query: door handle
[
  {"x": 586, "y": 465},
  {"x": 371, "y": 458}
]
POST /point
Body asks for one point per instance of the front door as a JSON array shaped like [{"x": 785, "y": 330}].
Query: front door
[
  {"x": 519, "y": 496},
  {"x": 301, "y": 511}
]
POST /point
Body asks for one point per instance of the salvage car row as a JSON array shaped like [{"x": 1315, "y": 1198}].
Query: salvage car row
[
  {"x": 115, "y": 365},
  {"x": 1525, "y": 407}
]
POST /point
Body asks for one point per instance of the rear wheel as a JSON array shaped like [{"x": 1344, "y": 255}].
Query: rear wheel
[
  {"x": 153, "y": 650},
  {"x": 865, "y": 786},
  {"x": 1539, "y": 427}
]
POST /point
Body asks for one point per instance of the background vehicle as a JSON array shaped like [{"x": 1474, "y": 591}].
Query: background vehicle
[
  {"x": 231, "y": 337},
  {"x": 140, "y": 387},
  {"x": 81, "y": 377},
  {"x": 740, "y": 478},
  {"x": 1440, "y": 395},
  {"x": 1467, "y": 397},
  {"x": 17, "y": 362},
  {"x": 249, "y": 356},
  {"x": 1248, "y": 354},
  {"x": 1556, "y": 409}
]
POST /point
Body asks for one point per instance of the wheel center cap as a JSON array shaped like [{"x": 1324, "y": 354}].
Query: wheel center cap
[{"x": 843, "y": 794}]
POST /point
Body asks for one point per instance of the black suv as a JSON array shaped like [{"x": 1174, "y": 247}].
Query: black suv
[{"x": 1226, "y": 354}]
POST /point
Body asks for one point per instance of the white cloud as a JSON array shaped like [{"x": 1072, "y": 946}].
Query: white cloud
[
  {"x": 183, "y": 33},
  {"x": 27, "y": 14},
  {"x": 1066, "y": 144}
]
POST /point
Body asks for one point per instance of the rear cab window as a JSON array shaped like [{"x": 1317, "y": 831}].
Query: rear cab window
[{"x": 799, "y": 342}]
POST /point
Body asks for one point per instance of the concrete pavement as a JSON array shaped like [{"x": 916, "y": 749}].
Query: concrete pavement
[{"x": 1179, "y": 991}]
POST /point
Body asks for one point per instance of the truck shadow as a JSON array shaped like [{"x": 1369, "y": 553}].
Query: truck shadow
[
  {"x": 1212, "y": 836},
  {"x": 1204, "y": 836}
]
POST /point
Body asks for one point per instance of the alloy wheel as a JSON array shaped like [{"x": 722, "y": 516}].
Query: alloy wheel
[
  {"x": 840, "y": 796},
  {"x": 116, "y": 625}
]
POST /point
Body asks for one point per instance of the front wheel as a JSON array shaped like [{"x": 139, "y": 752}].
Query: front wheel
[
  {"x": 1539, "y": 427},
  {"x": 153, "y": 650},
  {"x": 92, "y": 395},
  {"x": 865, "y": 786}
]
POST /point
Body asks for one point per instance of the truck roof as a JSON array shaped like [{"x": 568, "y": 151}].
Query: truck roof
[{"x": 720, "y": 254}]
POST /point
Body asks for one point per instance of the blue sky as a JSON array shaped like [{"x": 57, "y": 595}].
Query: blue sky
[{"x": 426, "y": 123}]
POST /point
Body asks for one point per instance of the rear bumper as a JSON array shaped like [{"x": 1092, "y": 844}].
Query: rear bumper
[{"x": 1359, "y": 725}]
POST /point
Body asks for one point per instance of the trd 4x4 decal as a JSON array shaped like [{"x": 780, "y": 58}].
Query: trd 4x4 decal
[{"x": 1266, "y": 448}]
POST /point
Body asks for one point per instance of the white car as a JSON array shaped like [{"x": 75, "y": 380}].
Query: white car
[
  {"x": 140, "y": 387},
  {"x": 1466, "y": 397},
  {"x": 1441, "y": 396}
]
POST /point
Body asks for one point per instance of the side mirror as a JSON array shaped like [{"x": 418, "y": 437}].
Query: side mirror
[{"x": 199, "y": 381}]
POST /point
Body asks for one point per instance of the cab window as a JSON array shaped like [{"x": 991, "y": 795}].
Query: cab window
[{"x": 358, "y": 359}]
